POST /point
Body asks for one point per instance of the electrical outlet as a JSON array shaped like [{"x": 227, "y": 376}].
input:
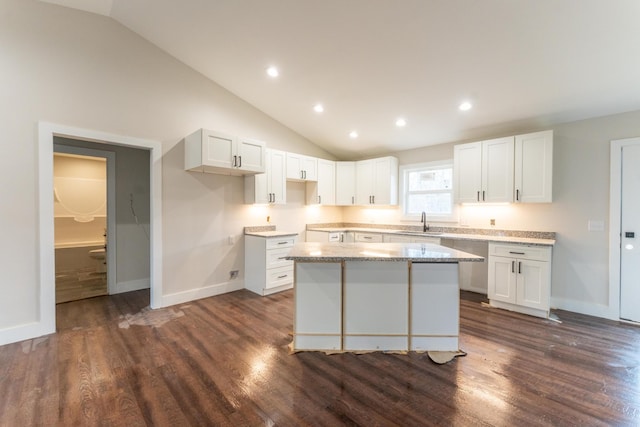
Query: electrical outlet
[
  {"x": 233, "y": 274},
  {"x": 492, "y": 222}
]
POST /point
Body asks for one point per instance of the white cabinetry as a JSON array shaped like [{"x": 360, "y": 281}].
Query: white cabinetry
[
  {"x": 377, "y": 181},
  {"x": 266, "y": 270},
  {"x": 520, "y": 278},
  {"x": 345, "y": 183},
  {"x": 215, "y": 152},
  {"x": 483, "y": 171},
  {"x": 323, "y": 192},
  {"x": 534, "y": 167},
  {"x": 271, "y": 186},
  {"x": 301, "y": 168},
  {"x": 367, "y": 237}
]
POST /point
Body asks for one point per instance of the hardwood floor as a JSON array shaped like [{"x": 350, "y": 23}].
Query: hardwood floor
[
  {"x": 72, "y": 285},
  {"x": 224, "y": 361}
]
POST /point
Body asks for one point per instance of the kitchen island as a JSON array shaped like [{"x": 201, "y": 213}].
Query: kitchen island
[{"x": 376, "y": 296}]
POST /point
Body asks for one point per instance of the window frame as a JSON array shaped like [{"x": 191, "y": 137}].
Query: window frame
[{"x": 404, "y": 185}]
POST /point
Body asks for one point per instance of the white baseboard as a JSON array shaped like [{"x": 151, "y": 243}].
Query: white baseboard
[
  {"x": 208, "y": 291},
  {"x": 582, "y": 307},
  {"x": 131, "y": 285},
  {"x": 24, "y": 332}
]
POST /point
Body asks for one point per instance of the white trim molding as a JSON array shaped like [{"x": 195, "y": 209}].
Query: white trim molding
[
  {"x": 199, "y": 293},
  {"x": 46, "y": 322}
]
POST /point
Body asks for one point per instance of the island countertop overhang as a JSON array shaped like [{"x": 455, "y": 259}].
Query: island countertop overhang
[{"x": 410, "y": 252}]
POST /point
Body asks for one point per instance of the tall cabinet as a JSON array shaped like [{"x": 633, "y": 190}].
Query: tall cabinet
[
  {"x": 345, "y": 183},
  {"x": 534, "y": 167},
  {"x": 269, "y": 187},
  {"x": 323, "y": 191}
]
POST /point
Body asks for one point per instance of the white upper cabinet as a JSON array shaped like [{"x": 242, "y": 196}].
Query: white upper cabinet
[
  {"x": 301, "y": 167},
  {"x": 215, "y": 152},
  {"x": 377, "y": 181},
  {"x": 534, "y": 167},
  {"x": 345, "y": 183},
  {"x": 483, "y": 171},
  {"x": 269, "y": 187},
  {"x": 323, "y": 192}
]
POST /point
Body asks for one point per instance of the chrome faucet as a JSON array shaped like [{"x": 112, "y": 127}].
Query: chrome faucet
[{"x": 423, "y": 220}]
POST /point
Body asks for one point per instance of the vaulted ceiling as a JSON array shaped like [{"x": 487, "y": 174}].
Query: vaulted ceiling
[{"x": 522, "y": 64}]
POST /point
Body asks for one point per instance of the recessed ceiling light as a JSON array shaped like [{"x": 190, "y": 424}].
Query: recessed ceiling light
[
  {"x": 465, "y": 106},
  {"x": 353, "y": 134},
  {"x": 401, "y": 122},
  {"x": 318, "y": 108},
  {"x": 273, "y": 72}
]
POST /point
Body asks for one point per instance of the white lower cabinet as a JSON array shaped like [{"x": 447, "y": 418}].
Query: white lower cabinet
[
  {"x": 520, "y": 278},
  {"x": 266, "y": 269},
  {"x": 367, "y": 237}
]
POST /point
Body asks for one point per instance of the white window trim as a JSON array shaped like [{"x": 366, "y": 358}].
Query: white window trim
[{"x": 403, "y": 185}]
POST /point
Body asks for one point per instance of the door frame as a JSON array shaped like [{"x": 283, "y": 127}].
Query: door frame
[
  {"x": 110, "y": 156},
  {"x": 46, "y": 133},
  {"x": 615, "y": 212}
]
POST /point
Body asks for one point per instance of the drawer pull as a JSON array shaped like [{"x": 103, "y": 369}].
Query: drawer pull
[
  {"x": 282, "y": 257},
  {"x": 282, "y": 243},
  {"x": 517, "y": 253},
  {"x": 367, "y": 237},
  {"x": 282, "y": 277}
]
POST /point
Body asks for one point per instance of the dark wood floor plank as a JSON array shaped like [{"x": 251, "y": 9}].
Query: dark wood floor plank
[{"x": 225, "y": 361}]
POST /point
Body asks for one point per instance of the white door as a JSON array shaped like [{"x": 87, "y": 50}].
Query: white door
[{"x": 630, "y": 234}]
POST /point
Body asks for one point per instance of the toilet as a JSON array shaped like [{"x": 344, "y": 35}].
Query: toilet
[{"x": 100, "y": 257}]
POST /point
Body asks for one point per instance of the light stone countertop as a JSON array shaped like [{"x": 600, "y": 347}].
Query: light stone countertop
[
  {"x": 414, "y": 252},
  {"x": 270, "y": 233},
  {"x": 444, "y": 235}
]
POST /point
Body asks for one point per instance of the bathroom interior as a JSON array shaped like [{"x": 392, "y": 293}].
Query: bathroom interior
[{"x": 80, "y": 226}]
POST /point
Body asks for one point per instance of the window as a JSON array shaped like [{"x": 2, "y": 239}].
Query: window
[{"x": 428, "y": 187}]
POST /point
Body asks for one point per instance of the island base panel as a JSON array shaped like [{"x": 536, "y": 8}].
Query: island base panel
[
  {"x": 434, "y": 343},
  {"x": 375, "y": 343},
  {"x": 317, "y": 342}
]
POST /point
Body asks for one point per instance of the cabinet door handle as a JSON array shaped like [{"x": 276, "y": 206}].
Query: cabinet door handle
[
  {"x": 513, "y": 266},
  {"x": 319, "y": 200},
  {"x": 239, "y": 161},
  {"x": 483, "y": 195},
  {"x": 517, "y": 253},
  {"x": 353, "y": 200},
  {"x": 235, "y": 161},
  {"x": 374, "y": 199},
  {"x": 519, "y": 267},
  {"x": 517, "y": 195},
  {"x": 283, "y": 276},
  {"x": 478, "y": 196},
  {"x": 341, "y": 237}
]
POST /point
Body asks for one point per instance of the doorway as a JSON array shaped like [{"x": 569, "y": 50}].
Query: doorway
[
  {"x": 84, "y": 221},
  {"x": 624, "y": 239},
  {"x": 47, "y": 132}
]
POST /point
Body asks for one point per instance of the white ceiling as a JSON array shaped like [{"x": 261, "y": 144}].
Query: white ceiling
[{"x": 523, "y": 63}]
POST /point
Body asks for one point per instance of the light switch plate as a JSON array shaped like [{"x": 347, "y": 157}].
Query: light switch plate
[{"x": 595, "y": 225}]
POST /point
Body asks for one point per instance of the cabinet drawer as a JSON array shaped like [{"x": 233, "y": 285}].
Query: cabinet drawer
[
  {"x": 540, "y": 253},
  {"x": 281, "y": 242},
  {"x": 279, "y": 277},
  {"x": 275, "y": 258},
  {"x": 370, "y": 238}
]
